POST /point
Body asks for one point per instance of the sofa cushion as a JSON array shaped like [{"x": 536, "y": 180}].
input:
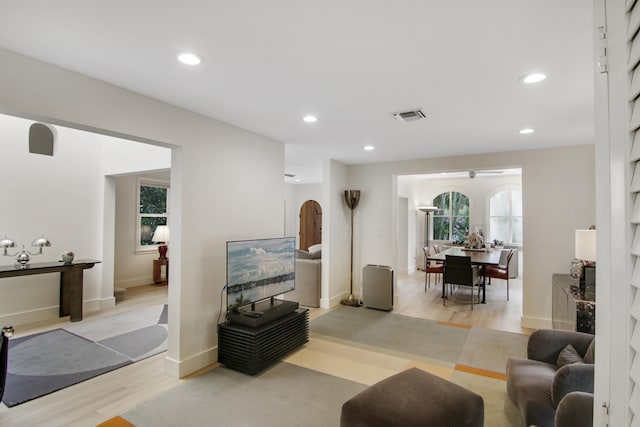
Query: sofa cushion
[
  {"x": 575, "y": 409},
  {"x": 529, "y": 385},
  {"x": 300, "y": 254},
  {"x": 568, "y": 355},
  {"x": 569, "y": 378},
  {"x": 590, "y": 355},
  {"x": 315, "y": 248}
]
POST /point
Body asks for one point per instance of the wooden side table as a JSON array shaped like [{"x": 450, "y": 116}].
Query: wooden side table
[{"x": 157, "y": 271}]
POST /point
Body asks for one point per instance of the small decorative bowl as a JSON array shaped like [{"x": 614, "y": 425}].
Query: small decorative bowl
[{"x": 67, "y": 257}]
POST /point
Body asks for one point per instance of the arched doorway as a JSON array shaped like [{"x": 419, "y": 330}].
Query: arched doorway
[{"x": 310, "y": 224}]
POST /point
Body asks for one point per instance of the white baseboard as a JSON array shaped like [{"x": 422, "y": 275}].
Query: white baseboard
[
  {"x": 182, "y": 368},
  {"x": 30, "y": 316},
  {"x": 51, "y": 314},
  {"x": 332, "y": 302},
  {"x": 130, "y": 283},
  {"x": 98, "y": 304},
  {"x": 535, "y": 322}
]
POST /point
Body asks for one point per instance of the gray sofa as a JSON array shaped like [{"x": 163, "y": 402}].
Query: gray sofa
[
  {"x": 308, "y": 273},
  {"x": 554, "y": 385}
]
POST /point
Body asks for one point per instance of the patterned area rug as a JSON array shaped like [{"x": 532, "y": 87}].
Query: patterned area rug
[
  {"x": 350, "y": 349},
  {"x": 42, "y": 363}
]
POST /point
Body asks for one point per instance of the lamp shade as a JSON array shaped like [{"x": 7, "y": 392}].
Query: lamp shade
[
  {"x": 7, "y": 243},
  {"x": 586, "y": 245},
  {"x": 427, "y": 209},
  {"x": 41, "y": 242},
  {"x": 161, "y": 234}
]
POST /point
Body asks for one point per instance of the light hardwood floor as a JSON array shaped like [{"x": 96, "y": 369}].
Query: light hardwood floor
[{"x": 96, "y": 400}]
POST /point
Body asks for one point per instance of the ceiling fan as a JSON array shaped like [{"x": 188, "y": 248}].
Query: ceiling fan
[{"x": 472, "y": 174}]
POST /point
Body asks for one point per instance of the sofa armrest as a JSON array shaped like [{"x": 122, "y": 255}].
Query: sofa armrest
[
  {"x": 545, "y": 344},
  {"x": 569, "y": 378},
  {"x": 575, "y": 409},
  {"x": 308, "y": 274}
]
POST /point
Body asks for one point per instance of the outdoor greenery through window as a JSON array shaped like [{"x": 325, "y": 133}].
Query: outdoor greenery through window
[
  {"x": 153, "y": 200},
  {"x": 451, "y": 220},
  {"x": 505, "y": 216}
]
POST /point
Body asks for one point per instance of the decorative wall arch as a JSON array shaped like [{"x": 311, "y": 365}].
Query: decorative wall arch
[{"x": 310, "y": 224}]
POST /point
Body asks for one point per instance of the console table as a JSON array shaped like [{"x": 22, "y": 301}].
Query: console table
[
  {"x": 71, "y": 282},
  {"x": 250, "y": 350},
  {"x": 573, "y": 309}
]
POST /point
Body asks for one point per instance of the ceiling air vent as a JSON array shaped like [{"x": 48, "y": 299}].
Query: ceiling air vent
[{"x": 409, "y": 116}]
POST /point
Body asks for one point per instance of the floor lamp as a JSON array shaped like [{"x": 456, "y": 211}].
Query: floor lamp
[
  {"x": 427, "y": 210},
  {"x": 351, "y": 197}
]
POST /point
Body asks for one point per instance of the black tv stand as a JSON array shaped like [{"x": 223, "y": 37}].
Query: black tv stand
[
  {"x": 262, "y": 312},
  {"x": 251, "y": 349}
]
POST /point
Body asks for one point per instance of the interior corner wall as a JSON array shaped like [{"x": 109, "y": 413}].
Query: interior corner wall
[
  {"x": 558, "y": 186},
  {"x": 131, "y": 268},
  {"x": 335, "y": 235},
  {"x": 60, "y": 197},
  {"x": 220, "y": 173}
]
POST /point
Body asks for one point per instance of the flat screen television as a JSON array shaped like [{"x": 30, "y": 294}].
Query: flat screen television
[{"x": 259, "y": 269}]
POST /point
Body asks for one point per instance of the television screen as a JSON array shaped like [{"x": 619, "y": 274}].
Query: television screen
[{"x": 259, "y": 269}]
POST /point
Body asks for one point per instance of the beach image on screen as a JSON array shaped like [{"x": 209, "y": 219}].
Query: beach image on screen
[{"x": 259, "y": 269}]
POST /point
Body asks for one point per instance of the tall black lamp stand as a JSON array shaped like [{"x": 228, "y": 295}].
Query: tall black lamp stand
[{"x": 352, "y": 198}]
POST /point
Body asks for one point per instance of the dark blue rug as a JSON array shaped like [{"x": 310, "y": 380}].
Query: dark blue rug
[{"x": 42, "y": 363}]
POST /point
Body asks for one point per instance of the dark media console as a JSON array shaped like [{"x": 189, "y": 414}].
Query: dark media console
[
  {"x": 251, "y": 349},
  {"x": 262, "y": 312}
]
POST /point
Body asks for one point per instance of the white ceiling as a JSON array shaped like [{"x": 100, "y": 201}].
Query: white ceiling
[{"x": 349, "y": 62}]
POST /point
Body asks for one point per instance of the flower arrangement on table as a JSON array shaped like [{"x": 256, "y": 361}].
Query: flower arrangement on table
[{"x": 474, "y": 241}]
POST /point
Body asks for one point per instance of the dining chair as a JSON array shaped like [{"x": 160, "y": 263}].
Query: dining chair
[
  {"x": 436, "y": 249},
  {"x": 458, "y": 270},
  {"x": 430, "y": 267},
  {"x": 500, "y": 271}
]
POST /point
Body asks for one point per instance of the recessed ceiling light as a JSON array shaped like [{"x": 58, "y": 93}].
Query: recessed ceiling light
[
  {"x": 297, "y": 180},
  {"x": 189, "y": 58},
  {"x": 310, "y": 119},
  {"x": 369, "y": 147},
  {"x": 526, "y": 131},
  {"x": 533, "y": 78}
]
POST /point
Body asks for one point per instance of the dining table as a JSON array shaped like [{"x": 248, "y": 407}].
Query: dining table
[{"x": 479, "y": 257}]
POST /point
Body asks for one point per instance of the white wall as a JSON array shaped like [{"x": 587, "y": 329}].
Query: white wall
[
  {"x": 132, "y": 268},
  {"x": 335, "y": 235},
  {"x": 121, "y": 156},
  {"x": 403, "y": 237},
  {"x": 558, "y": 187},
  {"x": 60, "y": 197},
  {"x": 219, "y": 174}
]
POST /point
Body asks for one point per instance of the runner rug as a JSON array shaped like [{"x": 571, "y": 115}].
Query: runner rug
[{"x": 42, "y": 363}]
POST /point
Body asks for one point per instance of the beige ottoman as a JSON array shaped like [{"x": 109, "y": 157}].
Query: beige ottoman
[{"x": 414, "y": 398}]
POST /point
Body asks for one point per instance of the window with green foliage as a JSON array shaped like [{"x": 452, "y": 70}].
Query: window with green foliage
[
  {"x": 153, "y": 200},
  {"x": 505, "y": 216},
  {"x": 451, "y": 220}
]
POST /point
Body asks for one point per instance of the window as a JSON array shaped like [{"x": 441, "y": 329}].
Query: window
[
  {"x": 451, "y": 220},
  {"x": 505, "y": 216},
  {"x": 153, "y": 200}
]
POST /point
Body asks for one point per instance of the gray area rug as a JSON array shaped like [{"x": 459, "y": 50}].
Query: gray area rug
[
  {"x": 477, "y": 347},
  {"x": 394, "y": 332},
  {"x": 290, "y": 395},
  {"x": 285, "y": 395},
  {"x": 42, "y": 363}
]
